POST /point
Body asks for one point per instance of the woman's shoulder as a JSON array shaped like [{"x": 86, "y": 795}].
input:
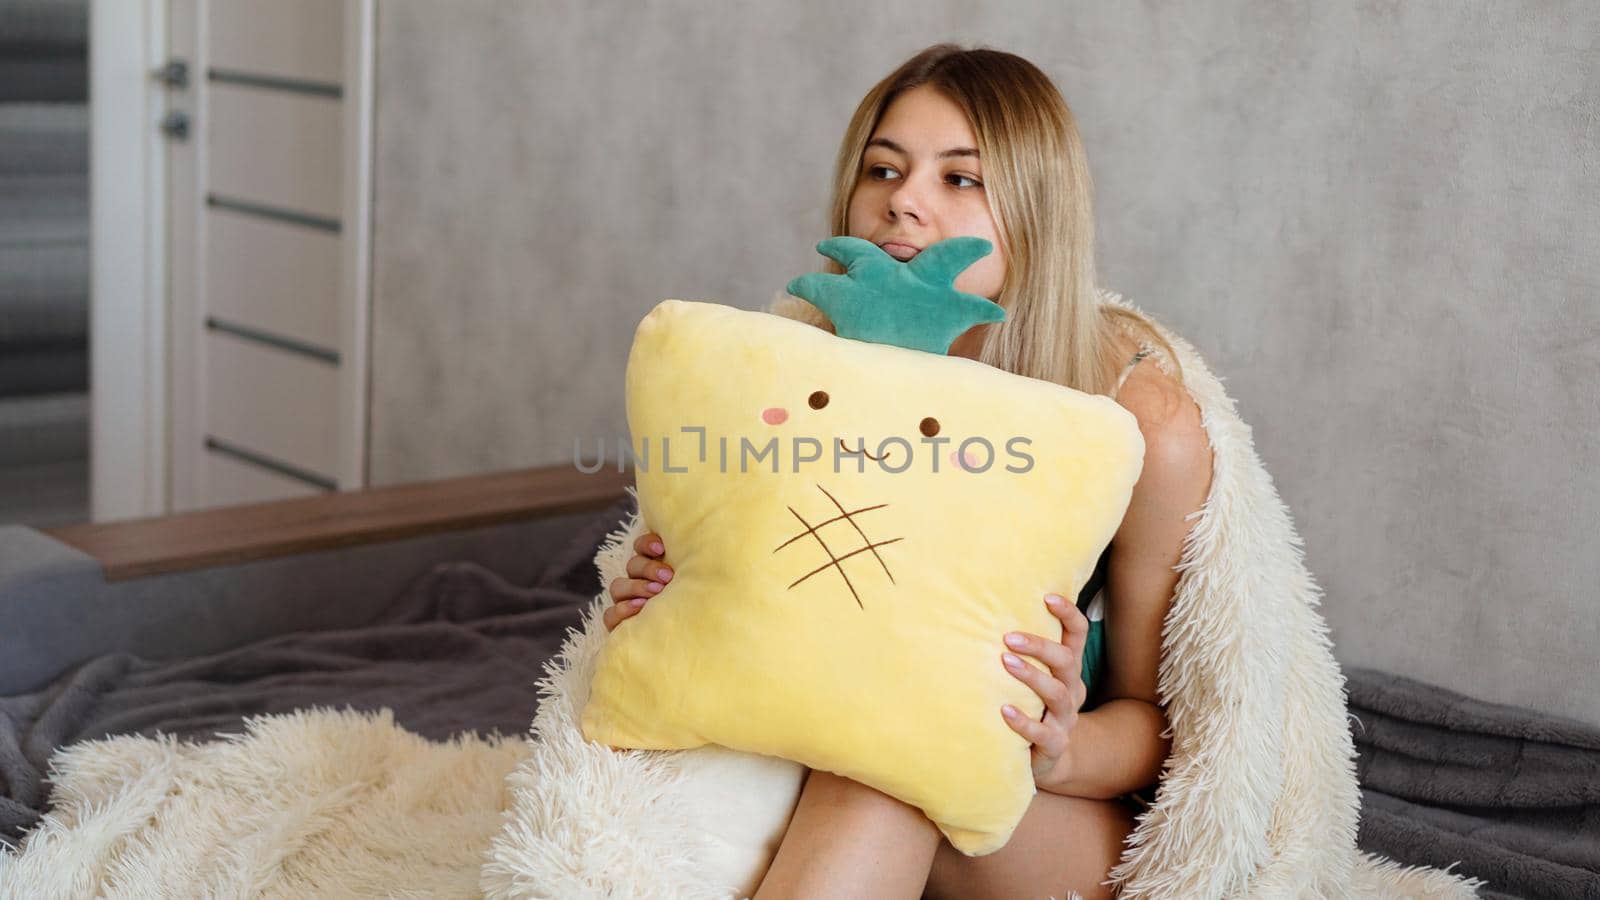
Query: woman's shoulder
[{"x": 1168, "y": 416}]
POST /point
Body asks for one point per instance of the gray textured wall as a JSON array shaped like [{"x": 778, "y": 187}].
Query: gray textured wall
[{"x": 1377, "y": 222}]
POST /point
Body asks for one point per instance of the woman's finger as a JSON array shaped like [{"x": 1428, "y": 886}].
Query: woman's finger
[
  {"x": 1074, "y": 624},
  {"x": 1056, "y": 696},
  {"x": 1048, "y": 687},
  {"x": 1023, "y": 724},
  {"x": 628, "y": 588},
  {"x": 617, "y": 613},
  {"x": 1056, "y": 657},
  {"x": 1050, "y": 739},
  {"x": 649, "y": 544},
  {"x": 635, "y": 587},
  {"x": 649, "y": 569}
]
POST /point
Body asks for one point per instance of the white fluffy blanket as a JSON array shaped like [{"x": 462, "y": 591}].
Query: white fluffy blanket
[
  {"x": 1258, "y": 798},
  {"x": 316, "y": 803}
]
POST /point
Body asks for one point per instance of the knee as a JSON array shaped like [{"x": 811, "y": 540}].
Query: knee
[
  {"x": 957, "y": 876},
  {"x": 1063, "y": 844}
]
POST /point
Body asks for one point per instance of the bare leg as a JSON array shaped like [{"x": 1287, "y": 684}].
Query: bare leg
[
  {"x": 1061, "y": 843},
  {"x": 847, "y": 840}
]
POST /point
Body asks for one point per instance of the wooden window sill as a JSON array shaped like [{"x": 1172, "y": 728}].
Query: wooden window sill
[{"x": 141, "y": 547}]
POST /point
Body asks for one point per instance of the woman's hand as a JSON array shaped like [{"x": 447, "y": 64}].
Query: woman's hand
[
  {"x": 1061, "y": 688},
  {"x": 649, "y": 574}
]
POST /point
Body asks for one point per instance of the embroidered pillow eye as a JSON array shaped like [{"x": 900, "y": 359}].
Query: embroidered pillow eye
[
  {"x": 929, "y": 427},
  {"x": 818, "y": 399}
]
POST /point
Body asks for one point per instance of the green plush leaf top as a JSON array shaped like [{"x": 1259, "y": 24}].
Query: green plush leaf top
[{"x": 908, "y": 304}]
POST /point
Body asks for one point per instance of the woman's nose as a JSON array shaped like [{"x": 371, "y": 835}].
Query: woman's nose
[{"x": 905, "y": 202}]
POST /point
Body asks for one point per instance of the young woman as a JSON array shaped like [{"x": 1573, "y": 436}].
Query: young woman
[{"x": 978, "y": 142}]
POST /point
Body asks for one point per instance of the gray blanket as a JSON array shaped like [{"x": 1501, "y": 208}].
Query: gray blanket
[
  {"x": 1513, "y": 796},
  {"x": 459, "y": 650}
]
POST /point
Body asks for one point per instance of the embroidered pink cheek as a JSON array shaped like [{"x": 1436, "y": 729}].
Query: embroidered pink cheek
[
  {"x": 974, "y": 461},
  {"x": 775, "y": 415}
]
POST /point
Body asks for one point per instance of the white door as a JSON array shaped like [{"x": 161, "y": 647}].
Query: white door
[{"x": 268, "y": 185}]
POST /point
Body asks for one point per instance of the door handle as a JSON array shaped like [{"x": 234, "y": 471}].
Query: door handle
[
  {"x": 175, "y": 74},
  {"x": 175, "y": 125}
]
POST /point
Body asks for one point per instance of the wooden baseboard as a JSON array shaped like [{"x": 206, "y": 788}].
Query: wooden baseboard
[{"x": 141, "y": 547}]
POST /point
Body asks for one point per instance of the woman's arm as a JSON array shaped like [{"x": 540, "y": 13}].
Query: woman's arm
[{"x": 1117, "y": 747}]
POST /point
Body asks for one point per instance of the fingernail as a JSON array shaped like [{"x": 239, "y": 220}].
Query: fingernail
[
  {"x": 636, "y": 602},
  {"x": 1010, "y": 711},
  {"x": 1053, "y": 599},
  {"x": 653, "y": 588},
  {"x": 1016, "y": 640},
  {"x": 655, "y": 547},
  {"x": 1012, "y": 661},
  {"x": 663, "y": 575}
]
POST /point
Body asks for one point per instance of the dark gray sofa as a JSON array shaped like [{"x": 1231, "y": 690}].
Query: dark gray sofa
[{"x": 57, "y": 609}]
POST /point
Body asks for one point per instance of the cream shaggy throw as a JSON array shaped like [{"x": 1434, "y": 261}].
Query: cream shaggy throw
[
  {"x": 1258, "y": 799},
  {"x": 315, "y": 803}
]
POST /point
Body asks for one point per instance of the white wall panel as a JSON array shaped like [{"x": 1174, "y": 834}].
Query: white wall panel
[
  {"x": 273, "y": 402},
  {"x": 275, "y": 148},
  {"x": 230, "y": 483},
  {"x": 274, "y": 276},
  {"x": 301, "y": 39}
]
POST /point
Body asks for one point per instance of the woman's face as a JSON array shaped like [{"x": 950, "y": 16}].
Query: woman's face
[{"x": 921, "y": 182}]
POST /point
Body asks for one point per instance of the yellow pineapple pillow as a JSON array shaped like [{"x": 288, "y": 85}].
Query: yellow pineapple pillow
[{"x": 845, "y": 609}]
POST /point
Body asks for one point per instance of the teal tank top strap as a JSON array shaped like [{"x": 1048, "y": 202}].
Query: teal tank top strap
[{"x": 1091, "y": 602}]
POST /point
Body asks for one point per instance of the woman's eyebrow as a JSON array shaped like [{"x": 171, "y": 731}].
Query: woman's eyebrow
[{"x": 942, "y": 154}]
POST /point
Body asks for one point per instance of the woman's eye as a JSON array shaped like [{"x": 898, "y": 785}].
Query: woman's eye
[
  {"x": 974, "y": 182},
  {"x": 873, "y": 171}
]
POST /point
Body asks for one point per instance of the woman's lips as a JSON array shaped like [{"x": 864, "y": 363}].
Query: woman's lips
[{"x": 902, "y": 252}]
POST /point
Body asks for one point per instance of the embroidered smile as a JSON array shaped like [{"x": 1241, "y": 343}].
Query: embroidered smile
[{"x": 863, "y": 450}]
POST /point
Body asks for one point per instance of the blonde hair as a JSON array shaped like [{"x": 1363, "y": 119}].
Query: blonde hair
[{"x": 1039, "y": 191}]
